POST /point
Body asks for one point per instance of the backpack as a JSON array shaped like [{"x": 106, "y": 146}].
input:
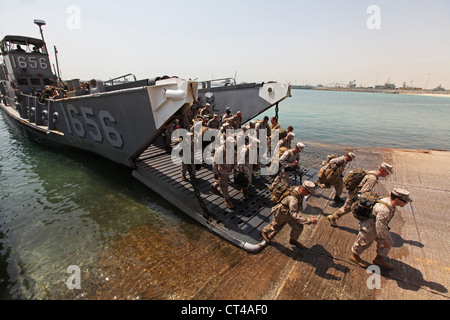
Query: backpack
[
  {"x": 363, "y": 206},
  {"x": 281, "y": 191},
  {"x": 281, "y": 151},
  {"x": 327, "y": 176},
  {"x": 354, "y": 178},
  {"x": 329, "y": 158}
]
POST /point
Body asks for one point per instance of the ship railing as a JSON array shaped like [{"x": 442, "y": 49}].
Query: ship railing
[
  {"x": 216, "y": 83},
  {"x": 41, "y": 114},
  {"x": 124, "y": 77}
]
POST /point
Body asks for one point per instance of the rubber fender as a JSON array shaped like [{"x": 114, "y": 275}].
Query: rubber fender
[{"x": 55, "y": 117}]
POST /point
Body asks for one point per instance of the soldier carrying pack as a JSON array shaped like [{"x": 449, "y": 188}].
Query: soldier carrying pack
[
  {"x": 281, "y": 191},
  {"x": 326, "y": 174},
  {"x": 363, "y": 206},
  {"x": 354, "y": 178}
]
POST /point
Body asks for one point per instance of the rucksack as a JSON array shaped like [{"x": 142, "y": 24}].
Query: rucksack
[
  {"x": 281, "y": 191},
  {"x": 329, "y": 158},
  {"x": 327, "y": 176},
  {"x": 363, "y": 206},
  {"x": 354, "y": 178},
  {"x": 281, "y": 151}
]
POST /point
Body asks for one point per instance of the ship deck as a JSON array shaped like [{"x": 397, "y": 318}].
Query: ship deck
[{"x": 242, "y": 225}]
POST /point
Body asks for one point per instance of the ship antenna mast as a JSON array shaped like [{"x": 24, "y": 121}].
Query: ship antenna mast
[{"x": 41, "y": 23}]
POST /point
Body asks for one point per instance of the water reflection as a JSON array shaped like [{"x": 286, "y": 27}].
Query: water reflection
[{"x": 61, "y": 208}]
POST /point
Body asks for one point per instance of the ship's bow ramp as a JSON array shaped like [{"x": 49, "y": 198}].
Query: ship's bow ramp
[
  {"x": 241, "y": 225},
  {"x": 157, "y": 168}
]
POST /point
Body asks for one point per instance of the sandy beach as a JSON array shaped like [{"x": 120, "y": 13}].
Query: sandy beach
[{"x": 442, "y": 95}]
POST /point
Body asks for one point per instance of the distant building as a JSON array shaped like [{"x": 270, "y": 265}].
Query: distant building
[
  {"x": 387, "y": 85},
  {"x": 439, "y": 88}
]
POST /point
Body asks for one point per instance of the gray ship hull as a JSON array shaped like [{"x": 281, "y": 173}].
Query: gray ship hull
[
  {"x": 119, "y": 125},
  {"x": 115, "y": 125},
  {"x": 251, "y": 99}
]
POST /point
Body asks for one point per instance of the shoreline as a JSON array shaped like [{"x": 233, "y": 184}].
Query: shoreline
[
  {"x": 317, "y": 151},
  {"x": 428, "y": 93}
]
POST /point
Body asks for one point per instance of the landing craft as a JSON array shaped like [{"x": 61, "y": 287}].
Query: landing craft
[{"x": 124, "y": 121}]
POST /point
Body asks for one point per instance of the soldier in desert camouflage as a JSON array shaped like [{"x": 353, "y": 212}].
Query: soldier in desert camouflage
[
  {"x": 246, "y": 160},
  {"x": 222, "y": 169},
  {"x": 338, "y": 165},
  {"x": 289, "y": 162},
  {"x": 366, "y": 185},
  {"x": 377, "y": 229},
  {"x": 288, "y": 211},
  {"x": 188, "y": 161}
]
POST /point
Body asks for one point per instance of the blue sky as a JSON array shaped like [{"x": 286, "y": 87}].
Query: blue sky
[{"x": 312, "y": 42}]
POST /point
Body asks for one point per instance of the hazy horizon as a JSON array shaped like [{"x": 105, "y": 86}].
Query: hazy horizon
[{"x": 301, "y": 42}]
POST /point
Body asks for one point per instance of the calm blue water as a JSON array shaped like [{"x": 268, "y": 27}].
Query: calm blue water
[
  {"x": 59, "y": 208},
  {"x": 368, "y": 119}
]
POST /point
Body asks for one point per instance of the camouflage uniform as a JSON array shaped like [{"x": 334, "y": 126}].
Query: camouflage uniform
[
  {"x": 287, "y": 211},
  {"x": 375, "y": 229},
  {"x": 225, "y": 116},
  {"x": 237, "y": 122},
  {"x": 338, "y": 165},
  {"x": 366, "y": 185},
  {"x": 205, "y": 111},
  {"x": 285, "y": 142},
  {"x": 222, "y": 171},
  {"x": 245, "y": 165},
  {"x": 186, "y": 117},
  {"x": 215, "y": 124},
  {"x": 261, "y": 126},
  {"x": 168, "y": 133},
  {"x": 185, "y": 166},
  {"x": 194, "y": 109},
  {"x": 286, "y": 161}
]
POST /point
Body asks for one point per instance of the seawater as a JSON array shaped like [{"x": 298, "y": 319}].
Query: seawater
[
  {"x": 367, "y": 119},
  {"x": 60, "y": 208}
]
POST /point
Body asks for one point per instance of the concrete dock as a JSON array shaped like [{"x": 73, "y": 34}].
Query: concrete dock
[{"x": 206, "y": 267}]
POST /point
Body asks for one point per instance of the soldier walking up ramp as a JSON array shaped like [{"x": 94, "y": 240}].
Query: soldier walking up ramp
[{"x": 242, "y": 225}]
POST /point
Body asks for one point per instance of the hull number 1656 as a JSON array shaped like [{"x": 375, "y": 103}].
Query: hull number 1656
[{"x": 91, "y": 125}]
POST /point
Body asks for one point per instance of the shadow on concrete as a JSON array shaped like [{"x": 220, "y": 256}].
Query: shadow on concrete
[
  {"x": 316, "y": 256},
  {"x": 410, "y": 278},
  {"x": 399, "y": 241}
]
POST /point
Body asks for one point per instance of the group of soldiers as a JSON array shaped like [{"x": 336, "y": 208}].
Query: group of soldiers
[
  {"x": 288, "y": 210},
  {"x": 243, "y": 160},
  {"x": 373, "y": 229}
]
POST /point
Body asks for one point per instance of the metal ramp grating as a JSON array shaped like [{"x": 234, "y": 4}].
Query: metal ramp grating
[{"x": 155, "y": 168}]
